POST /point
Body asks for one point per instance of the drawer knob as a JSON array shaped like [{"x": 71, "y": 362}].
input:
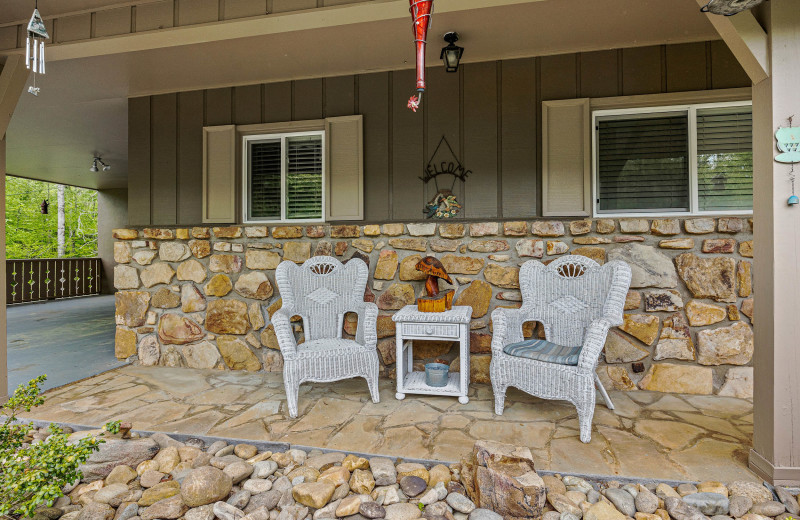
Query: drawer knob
[{"x": 429, "y": 330}]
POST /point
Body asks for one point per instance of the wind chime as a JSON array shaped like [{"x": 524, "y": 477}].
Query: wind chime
[
  {"x": 788, "y": 139},
  {"x": 421, "y": 11},
  {"x": 34, "y": 50}
]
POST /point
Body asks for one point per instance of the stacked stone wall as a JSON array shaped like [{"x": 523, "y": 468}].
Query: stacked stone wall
[{"x": 195, "y": 296}]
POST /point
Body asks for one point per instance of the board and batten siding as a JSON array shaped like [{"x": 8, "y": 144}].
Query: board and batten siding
[{"x": 490, "y": 112}]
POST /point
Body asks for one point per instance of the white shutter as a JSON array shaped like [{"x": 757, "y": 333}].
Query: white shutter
[
  {"x": 566, "y": 158},
  {"x": 345, "y": 168},
  {"x": 219, "y": 174}
]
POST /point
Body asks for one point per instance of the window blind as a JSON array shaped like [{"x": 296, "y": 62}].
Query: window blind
[
  {"x": 304, "y": 177},
  {"x": 725, "y": 159},
  {"x": 265, "y": 179},
  {"x": 643, "y": 163}
]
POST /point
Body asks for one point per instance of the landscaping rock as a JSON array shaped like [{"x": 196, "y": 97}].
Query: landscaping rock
[
  {"x": 623, "y": 501},
  {"x": 768, "y": 508},
  {"x": 314, "y": 494},
  {"x": 512, "y": 488},
  {"x": 205, "y": 485},
  {"x": 708, "y": 503},
  {"x": 113, "y": 452},
  {"x": 680, "y": 510},
  {"x": 383, "y": 471},
  {"x": 167, "y": 509}
]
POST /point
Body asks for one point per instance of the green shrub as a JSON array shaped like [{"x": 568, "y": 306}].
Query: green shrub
[{"x": 34, "y": 475}]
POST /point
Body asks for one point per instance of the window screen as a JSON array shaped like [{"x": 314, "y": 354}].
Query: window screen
[
  {"x": 725, "y": 159},
  {"x": 643, "y": 163}
]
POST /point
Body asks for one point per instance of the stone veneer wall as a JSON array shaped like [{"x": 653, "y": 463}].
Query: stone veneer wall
[{"x": 194, "y": 297}]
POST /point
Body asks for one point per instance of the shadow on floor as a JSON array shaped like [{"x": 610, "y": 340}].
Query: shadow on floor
[{"x": 68, "y": 340}]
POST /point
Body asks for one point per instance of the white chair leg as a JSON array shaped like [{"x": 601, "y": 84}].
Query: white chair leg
[
  {"x": 374, "y": 392},
  {"x": 292, "y": 390},
  {"x": 603, "y": 392},
  {"x": 585, "y": 415}
]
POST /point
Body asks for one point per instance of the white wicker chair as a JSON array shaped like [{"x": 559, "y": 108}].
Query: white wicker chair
[
  {"x": 577, "y": 301},
  {"x": 321, "y": 291}
]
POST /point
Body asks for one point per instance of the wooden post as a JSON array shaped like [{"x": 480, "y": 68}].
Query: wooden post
[
  {"x": 13, "y": 77},
  {"x": 776, "y": 438}
]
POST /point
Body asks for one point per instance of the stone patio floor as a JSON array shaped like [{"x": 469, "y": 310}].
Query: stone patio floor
[{"x": 649, "y": 435}]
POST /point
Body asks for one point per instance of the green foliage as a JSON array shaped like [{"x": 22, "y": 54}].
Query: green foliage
[
  {"x": 33, "y": 475},
  {"x": 112, "y": 426},
  {"x": 29, "y": 234}
]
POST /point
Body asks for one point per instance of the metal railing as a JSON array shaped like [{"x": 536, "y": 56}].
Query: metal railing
[{"x": 42, "y": 279}]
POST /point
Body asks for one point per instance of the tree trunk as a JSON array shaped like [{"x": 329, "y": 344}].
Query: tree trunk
[{"x": 61, "y": 221}]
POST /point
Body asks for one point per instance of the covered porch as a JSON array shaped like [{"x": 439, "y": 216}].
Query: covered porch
[
  {"x": 132, "y": 82},
  {"x": 650, "y": 435}
]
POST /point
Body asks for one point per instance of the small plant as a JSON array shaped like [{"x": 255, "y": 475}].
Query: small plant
[
  {"x": 112, "y": 426},
  {"x": 421, "y": 506},
  {"x": 33, "y": 475}
]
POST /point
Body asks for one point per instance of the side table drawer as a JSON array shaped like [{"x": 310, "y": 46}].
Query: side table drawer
[{"x": 430, "y": 329}]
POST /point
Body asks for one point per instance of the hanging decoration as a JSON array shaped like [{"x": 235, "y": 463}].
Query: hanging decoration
[
  {"x": 421, "y": 11},
  {"x": 34, "y": 49},
  {"x": 788, "y": 139},
  {"x": 443, "y": 162},
  {"x": 44, "y": 206},
  {"x": 729, "y": 7}
]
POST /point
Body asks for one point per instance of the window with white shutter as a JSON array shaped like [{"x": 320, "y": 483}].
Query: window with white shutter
[
  {"x": 693, "y": 159},
  {"x": 284, "y": 177}
]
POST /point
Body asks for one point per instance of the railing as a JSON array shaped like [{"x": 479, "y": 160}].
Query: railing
[{"x": 41, "y": 279}]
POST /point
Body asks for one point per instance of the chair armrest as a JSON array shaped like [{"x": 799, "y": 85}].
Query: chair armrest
[
  {"x": 281, "y": 320},
  {"x": 593, "y": 343},
  {"x": 507, "y": 327},
  {"x": 367, "y": 330}
]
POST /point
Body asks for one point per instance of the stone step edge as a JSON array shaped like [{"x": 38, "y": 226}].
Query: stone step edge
[{"x": 285, "y": 446}]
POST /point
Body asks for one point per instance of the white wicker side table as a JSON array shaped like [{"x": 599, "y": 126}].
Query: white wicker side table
[{"x": 452, "y": 325}]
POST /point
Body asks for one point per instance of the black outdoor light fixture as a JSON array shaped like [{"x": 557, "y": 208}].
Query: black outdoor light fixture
[{"x": 451, "y": 55}]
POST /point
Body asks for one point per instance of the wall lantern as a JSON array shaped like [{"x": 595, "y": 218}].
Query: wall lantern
[
  {"x": 43, "y": 206},
  {"x": 95, "y": 169},
  {"x": 451, "y": 55}
]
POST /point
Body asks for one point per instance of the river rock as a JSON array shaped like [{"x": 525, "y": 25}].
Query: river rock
[
  {"x": 314, "y": 494},
  {"x": 680, "y": 510},
  {"x": 768, "y": 508},
  {"x": 603, "y": 510},
  {"x": 205, "y": 485},
  {"x": 402, "y": 511},
  {"x": 788, "y": 500},
  {"x": 708, "y": 503},
  {"x": 623, "y": 501},
  {"x": 646, "y": 501},
  {"x": 167, "y": 509},
  {"x": 412, "y": 485},
  {"x": 383, "y": 471},
  {"x": 225, "y": 511}
]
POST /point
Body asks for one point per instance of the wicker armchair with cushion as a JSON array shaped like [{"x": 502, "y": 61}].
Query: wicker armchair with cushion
[{"x": 577, "y": 301}]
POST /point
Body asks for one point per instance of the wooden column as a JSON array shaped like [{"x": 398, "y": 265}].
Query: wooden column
[
  {"x": 13, "y": 76},
  {"x": 776, "y": 438}
]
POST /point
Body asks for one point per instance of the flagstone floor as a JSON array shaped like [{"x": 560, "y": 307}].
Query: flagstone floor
[{"x": 649, "y": 435}]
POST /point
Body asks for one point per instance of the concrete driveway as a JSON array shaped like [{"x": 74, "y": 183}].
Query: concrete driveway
[{"x": 68, "y": 340}]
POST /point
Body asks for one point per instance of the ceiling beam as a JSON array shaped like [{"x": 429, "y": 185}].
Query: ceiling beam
[
  {"x": 13, "y": 77},
  {"x": 277, "y": 23},
  {"x": 746, "y": 39}
]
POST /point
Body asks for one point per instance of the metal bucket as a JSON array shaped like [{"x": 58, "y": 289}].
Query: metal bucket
[{"x": 436, "y": 374}]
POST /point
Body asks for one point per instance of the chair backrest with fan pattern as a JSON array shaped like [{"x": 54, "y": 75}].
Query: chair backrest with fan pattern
[
  {"x": 322, "y": 290},
  {"x": 567, "y": 295}
]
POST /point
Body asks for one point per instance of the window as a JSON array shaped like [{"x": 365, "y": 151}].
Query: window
[
  {"x": 690, "y": 159},
  {"x": 284, "y": 177}
]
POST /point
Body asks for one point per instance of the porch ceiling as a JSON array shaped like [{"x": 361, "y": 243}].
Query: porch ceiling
[{"x": 82, "y": 108}]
